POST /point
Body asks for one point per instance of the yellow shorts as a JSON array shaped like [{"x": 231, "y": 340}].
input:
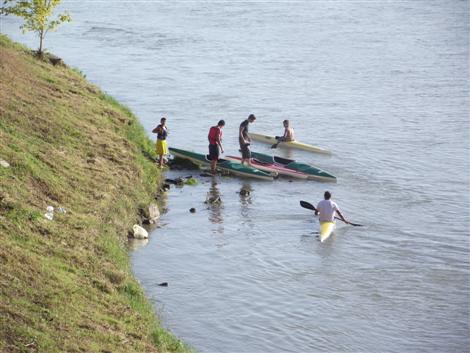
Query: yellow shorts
[{"x": 161, "y": 147}]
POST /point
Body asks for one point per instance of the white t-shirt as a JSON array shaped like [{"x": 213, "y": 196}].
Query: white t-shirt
[{"x": 327, "y": 209}]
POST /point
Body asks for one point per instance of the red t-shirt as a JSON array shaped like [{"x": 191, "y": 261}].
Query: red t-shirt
[{"x": 215, "y": 135}]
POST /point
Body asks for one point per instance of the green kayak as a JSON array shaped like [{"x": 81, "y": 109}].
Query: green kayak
[
  {"x": 314, "y": 173},
  {"x": 223, "y": 164}
]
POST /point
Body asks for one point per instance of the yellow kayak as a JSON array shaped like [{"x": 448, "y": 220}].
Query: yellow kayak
[
  {"x": 326, "y": 229},
  {"x": 291, "y": 144}
]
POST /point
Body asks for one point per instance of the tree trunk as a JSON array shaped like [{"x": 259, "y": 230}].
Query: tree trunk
[{"x": 41, "y": 39}]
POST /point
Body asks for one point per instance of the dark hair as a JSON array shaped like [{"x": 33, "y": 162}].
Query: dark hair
[
  {"x": 221, "y": 123},
  {"x": 285, "y": 121},
  {"x": 327, "y": 195},
  {"x": 162, "y": 119},
  {"x": 252, "y": 117}
]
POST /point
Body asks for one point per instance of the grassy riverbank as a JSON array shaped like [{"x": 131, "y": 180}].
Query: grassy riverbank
[{"x": 66, "y": 284}]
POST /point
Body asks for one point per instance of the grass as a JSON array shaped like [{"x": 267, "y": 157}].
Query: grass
[{"x": 66, "y": 284}]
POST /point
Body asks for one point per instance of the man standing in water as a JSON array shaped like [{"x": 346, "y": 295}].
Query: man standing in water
[
  {"x": 245, "y": 140},
  {"x": 161, "y": 146},
  {"x": 288, "y": 134},
  {"x": 215, "y": 142},
  {"x": 327, "y": 209}
]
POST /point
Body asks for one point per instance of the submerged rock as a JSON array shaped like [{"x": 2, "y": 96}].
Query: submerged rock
[{"x": 192, "y": 210}]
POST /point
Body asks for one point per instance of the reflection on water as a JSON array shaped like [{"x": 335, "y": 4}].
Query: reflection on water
[
  {"x": 284, "y": 152},
  {"x": 214, "y": 205},
  {"x": 134, "y": 244},
  {"x": 245, "y": 194}
]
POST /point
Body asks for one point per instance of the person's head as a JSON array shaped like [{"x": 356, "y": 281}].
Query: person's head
[
  {"x": 251, "y": 118},
  {"x": 163, "y": 121},
  {"x": 286, "y": 123},
  {"x": 327, "y": 195},
  {"x": 221, "y": 123}
]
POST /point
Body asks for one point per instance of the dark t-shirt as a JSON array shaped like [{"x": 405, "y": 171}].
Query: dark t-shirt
[{"x": 244, "y": 125}]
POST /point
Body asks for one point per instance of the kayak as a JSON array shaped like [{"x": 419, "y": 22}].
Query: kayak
[
  {"x": 271, "y": 167},
  {"x": 291, "y": 144},
  {"x": 313, "y": 173},
  {"x": 225, "y": 165},
  {"x": 326, "y": 229}
]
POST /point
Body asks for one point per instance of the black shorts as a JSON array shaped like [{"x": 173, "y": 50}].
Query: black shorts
[
  {"x": 214, "y": 152},
  {"x": 245, "y": 150}
]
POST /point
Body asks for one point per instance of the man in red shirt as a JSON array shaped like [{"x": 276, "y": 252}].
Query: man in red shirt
[{"x": 215, "y": 142}]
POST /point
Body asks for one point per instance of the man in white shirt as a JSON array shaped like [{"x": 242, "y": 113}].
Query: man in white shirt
[{"x": 327, "y": 209}]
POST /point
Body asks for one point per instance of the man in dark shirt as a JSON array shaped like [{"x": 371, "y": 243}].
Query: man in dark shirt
[{"x": 245, "y": 140}]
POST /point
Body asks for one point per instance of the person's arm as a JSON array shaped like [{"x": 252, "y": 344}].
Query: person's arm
[
  {"x": 219, "y": 141},
  {"x": 156, "y": 130}
]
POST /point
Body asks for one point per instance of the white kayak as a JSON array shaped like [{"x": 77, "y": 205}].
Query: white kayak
[{"x": 291, "y": 144}]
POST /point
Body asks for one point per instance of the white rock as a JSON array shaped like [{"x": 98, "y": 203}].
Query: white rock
[
  {"x": 4, "y": 163},
  {"x": 139, "y": 232}
]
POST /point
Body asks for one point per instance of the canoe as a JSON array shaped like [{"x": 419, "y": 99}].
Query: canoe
[
  {"x": 271, "y": 167},
  {"x": 313, "y": 173},
  {"x": 291, "y": 144},
  {"x": 326, "y": 229},
  {"x": 224, "y": 165}
]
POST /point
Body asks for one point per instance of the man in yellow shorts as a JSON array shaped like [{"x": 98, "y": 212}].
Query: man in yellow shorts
[{"x": 161, "y": 147}]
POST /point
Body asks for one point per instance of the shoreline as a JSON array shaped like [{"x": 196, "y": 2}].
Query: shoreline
[{"x": 67, "y": 283}]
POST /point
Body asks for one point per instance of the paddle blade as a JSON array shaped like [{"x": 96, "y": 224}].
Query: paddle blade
[
  {"x": 356, "y": 225},
  {"x": 307, "y": 205}
]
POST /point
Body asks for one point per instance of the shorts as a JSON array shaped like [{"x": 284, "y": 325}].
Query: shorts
[
  {"x": 245, "y": 150},
  {"x": 161, "y": 147},
  {"x": 214, "y": 152}
]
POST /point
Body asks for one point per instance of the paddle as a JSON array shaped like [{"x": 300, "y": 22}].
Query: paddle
[{"x": 309, "y": 206}]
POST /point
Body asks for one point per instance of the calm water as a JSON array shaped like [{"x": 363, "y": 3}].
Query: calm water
[{"x": 384, "y": 85}]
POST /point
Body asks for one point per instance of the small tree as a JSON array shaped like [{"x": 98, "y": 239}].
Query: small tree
[{"x": 36, "y": 15}]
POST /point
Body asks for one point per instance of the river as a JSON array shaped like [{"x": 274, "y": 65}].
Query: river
[{"x": 384, "y": 85}]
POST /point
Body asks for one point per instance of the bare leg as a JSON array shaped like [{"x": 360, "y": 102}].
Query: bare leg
[
  {"x": 213, "y": 167},
  {"x": 160, "y": 162}
]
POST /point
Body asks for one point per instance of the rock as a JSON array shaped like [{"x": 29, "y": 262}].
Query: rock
[
  {"x": 55, "y": 60},
  {"x": 50, "y": 213},
  {"x": 153, "y": 213},
  {"x": 192, "y": 210},
  {"x": 163, "y": 284},
  {"x": 150, "y": 214},
  {"x": 139, "y": 232},
  {"x": 4, "y": 163}
]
